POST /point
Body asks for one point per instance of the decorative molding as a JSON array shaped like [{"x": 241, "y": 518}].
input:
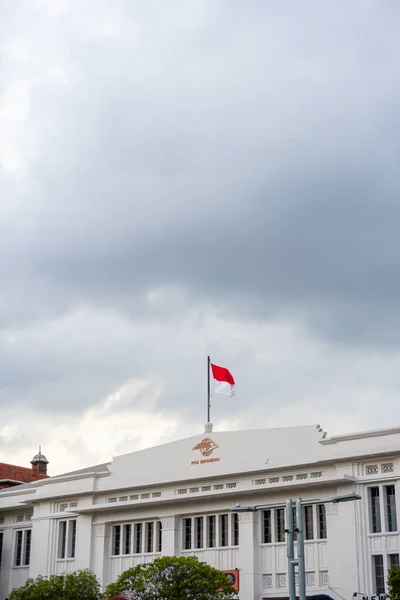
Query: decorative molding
[
  {"x": 99, "y": 530},
  {"x": 168, "y": 523},
  {"x": 247, "y": 517},
  {"x": 360, "y": 436},
  {"x": 331, "y": 508}
]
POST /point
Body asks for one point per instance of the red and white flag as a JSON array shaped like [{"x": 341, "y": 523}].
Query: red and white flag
[{"x": 223, "y": 381}]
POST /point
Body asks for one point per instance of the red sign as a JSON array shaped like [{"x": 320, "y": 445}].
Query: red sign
[{"x": 234, "y": 577}]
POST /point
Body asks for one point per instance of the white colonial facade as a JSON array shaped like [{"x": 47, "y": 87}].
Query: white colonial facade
[{"x": 179, "y": 498}]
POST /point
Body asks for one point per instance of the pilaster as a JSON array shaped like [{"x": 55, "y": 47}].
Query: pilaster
[
  {"x": 40, "y": 546},
  {"x": 6, "y": 562},
  {"x": 342, "y": 549},
  {"x": 170, "y": 536},
  {"x": 248, "y": 559},
  {"x": 100, "y": 550}
]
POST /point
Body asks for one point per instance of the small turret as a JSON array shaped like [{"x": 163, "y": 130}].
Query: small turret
[{"x": 39, "y": 462}]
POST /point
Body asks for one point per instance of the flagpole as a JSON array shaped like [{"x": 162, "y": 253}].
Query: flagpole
[{"x": 208, "y": 391}]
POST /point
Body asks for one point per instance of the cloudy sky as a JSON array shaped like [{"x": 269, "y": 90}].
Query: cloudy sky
[{"x": 183, "y": 178}]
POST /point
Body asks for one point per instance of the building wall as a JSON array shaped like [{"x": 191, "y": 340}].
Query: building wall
[{"x": 74, "y": 525}]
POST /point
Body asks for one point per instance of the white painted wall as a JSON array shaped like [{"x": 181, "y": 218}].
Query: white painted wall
[{"x": 262, "y": 467}]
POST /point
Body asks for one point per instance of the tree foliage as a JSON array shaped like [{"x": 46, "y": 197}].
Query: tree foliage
[
  {"x": 80, "y": 585},
  {"x": 172, "y": 578},
  {"x": 394, "y": 583}
]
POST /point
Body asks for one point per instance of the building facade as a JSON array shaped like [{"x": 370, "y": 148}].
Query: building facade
[{"x": 180, "y": 499}]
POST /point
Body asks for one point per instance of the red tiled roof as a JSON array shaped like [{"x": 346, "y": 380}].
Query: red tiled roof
[{"x": 21, "y": 474}]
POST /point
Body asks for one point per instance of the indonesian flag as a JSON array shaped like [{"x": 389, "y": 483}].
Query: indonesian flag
[{"x": 223, "y": 381}]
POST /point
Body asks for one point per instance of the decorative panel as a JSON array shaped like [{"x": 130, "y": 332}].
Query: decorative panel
[
  {"x": 267, "y": 581},
  {"x": 310, "y": 579},
  {"x": 323, "y": 579},
  {"x": 280, "y": 557},
  {"x": 268, "y": 558},
  {"x": 281, "y": 580},
  {"x": 376, "y": 544}
]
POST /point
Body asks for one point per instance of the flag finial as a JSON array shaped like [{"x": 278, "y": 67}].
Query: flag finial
[{"x": 208, "y": 427}]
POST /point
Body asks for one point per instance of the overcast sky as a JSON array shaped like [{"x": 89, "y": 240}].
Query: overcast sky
[{"x": 183, "y": 178}]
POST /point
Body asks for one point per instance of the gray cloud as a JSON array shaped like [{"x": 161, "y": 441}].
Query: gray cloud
[{"x": 183, "y": 164}]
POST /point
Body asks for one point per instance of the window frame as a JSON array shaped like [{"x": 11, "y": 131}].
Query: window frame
[
  {"x": 223, "y": 530},
  {"x": 379, "y": 587},
  {"x": 144, "y": 537},
  {"x": 210, "y": 531},
  {"x": 308, "y": 522},
  {"x": 390, "y": 509},
  {"x": 322, "y": 527},
  {"x": 22, "y": 548},
  {"x": 66, "y": 541},
  {"x": 393, "y": 563},
  {"x": 187, "y": 532},
  {"x": 267, "y": 526},
  {"x": 199, "y": 532},
  {"x": 374, "y": 510},
  {"x": 280, "y": 525}
]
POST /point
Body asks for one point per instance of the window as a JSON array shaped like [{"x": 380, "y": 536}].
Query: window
[
  {"x": 267, "y": 527},
  {"x": 294, "y": 523},
  {"x": 18, "y": 548},
  {"x": 149, "y": 536},
  {"x": 1, "y": 546},
  {"x": 393, "y": 560},
  {"x": 159, "y": 536},
  {"x": 199, "y": 532},
  {"x": 72, "y": 539},
  {"x": 279, "y": 524},
  {"x": 211, "y": 531},
  {"x": 375, "y": 511},
  {"x": 187, "y": 534},
  {"x": 67, "y": 539},
  {"x": 127, "y": 538},
  {"x": 391, "y": 517},
  {"x": 116, "y": 543},
  {"x": 223, "y": 530},
  {"x": 22, "y": 547},
  {"x": 379, "y": 574},
  {"x": 27, "y": 549},
  {"x": 322, "y": 532},
  {"x": 308, "y": 523},
  {"x": 235, "y": 518},
  {"x": 138, "y": 538}
]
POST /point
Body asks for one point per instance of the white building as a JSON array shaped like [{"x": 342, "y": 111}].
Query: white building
[{"x": 177, "y": 499}]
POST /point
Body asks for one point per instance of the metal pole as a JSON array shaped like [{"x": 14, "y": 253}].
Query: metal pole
[
  {"x": 300, "y": 550},
  {"x": 290, "y": 549},
  {"x": 208, "y": 391}
]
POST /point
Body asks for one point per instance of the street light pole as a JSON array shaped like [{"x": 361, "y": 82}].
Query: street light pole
[
  {"x": 290, "y": 550},
  {"x": 300, "y": 550}
]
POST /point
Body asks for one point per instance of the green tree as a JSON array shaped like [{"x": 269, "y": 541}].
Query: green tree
[
  {"x": 394, "y": 583},
  {"x": 172, "y": 578},
  {"x": 80, "y": 585}
]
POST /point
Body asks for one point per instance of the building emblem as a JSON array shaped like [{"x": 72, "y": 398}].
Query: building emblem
[{"x": 206, "y": 447}]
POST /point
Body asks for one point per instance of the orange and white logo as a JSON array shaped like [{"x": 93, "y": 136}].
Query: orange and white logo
[{"x": 206, "y": 446}]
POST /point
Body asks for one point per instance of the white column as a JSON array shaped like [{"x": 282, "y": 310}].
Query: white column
[
  {"x": 42, "y": 541},
  {"x": 41, "y": 545},
  {"x": 83, "y": 541},
  {"x": 249, "y": 556},
  {"x": 6, "y": 562},
  {"x": 170, "y": 536},
  {"x": 100, "y": 561},
  {"x": 342, "y": 548}
]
